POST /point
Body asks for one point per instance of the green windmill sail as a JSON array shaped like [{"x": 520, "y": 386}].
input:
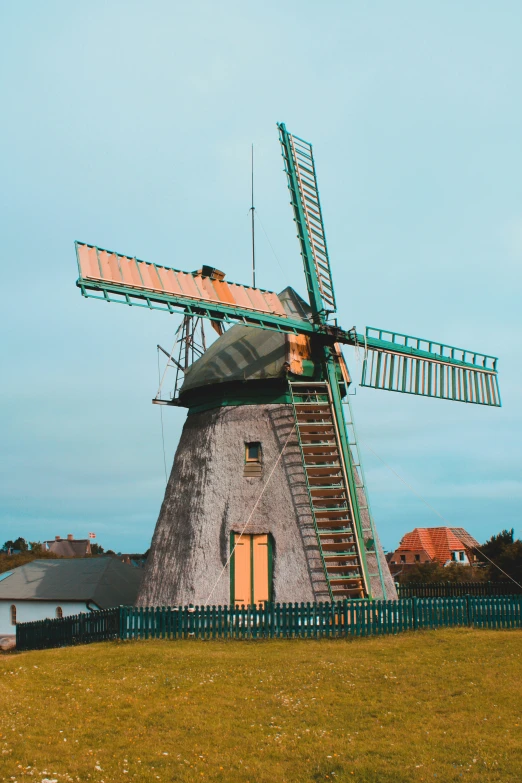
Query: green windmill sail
[{"x": 344, "y": 529}]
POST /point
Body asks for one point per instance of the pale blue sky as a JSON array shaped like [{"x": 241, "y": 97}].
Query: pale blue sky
[{"x": 129, "y": 124}]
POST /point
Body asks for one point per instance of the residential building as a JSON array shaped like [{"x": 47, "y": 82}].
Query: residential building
[
  {"x": 443, "y": 545},
  {"x": 69, "y": 547},
  {"x": 58, "y": 588}
]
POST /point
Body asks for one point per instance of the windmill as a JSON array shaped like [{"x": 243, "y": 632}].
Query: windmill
[{"x": 266, "y": 498}]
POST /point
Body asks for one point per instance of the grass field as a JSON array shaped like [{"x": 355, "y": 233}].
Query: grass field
[{"x": 428, "y": 706}]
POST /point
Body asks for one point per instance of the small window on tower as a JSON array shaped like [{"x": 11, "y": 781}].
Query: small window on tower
[
  {"x": 403, "y": 558},
  {"x": 417, "y": 558},
  {"x": 253, "y": 460},
  {"x": 253, "y": 452}
]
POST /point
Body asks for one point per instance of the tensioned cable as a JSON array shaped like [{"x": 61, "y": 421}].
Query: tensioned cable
[
  {"x": 306, "y": 316},
  {"x": 365, "y": 442},
  {"x": 162, "y": 429},
  {"x": 420, "y": 496},
  {"x": 251, "y": 514},
  {"x": 160, "y": 380},
  {"x": 449, "y": 524}
]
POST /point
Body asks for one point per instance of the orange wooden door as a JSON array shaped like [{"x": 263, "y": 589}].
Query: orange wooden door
[{"x": 251, "y": 569}]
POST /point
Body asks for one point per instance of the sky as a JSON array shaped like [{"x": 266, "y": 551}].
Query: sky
[{"x": 129, "y": 126}]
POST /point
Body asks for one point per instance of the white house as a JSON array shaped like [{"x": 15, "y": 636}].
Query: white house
[{"x": 57, "y": 588}]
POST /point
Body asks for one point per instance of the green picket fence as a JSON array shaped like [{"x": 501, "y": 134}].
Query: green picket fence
[
  {"x": 273, "y": 621},
  {"x": 453, "y": 589},
  {"x": 75, "y": 629}
]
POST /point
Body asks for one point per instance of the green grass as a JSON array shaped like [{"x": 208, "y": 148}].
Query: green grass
[{"x": 436, "y": 706}]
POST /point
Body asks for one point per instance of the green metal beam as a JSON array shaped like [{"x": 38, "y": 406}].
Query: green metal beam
[
  {"x": 314, "y": 292},
  {"x": 480, "y": 362},
  {"x": 119, "y": 294}
]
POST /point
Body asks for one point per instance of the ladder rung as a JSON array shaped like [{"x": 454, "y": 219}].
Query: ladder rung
[
  {"x": 327, "y": 486},
  {"x": 328, "y": 492},
  {"x": 345, "y": 532},
  {"x": 337, "y": 509},
  {"x": 323, "y": 467}
]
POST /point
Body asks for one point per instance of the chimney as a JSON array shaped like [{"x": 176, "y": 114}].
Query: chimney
[
  {"x": 70, "y": 537},
  {"x": 57, "y": 538}
]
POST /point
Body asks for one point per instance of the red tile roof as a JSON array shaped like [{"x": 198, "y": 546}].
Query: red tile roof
[
  {"x": 437, "y": 542},
  {"x": 465, "y": 537}
]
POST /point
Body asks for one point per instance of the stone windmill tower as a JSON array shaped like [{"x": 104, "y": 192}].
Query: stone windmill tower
[{"x": 266, "y": 498}]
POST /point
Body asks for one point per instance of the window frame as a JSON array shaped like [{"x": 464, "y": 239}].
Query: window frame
[
  {"x": 259, "y": 458},
  {"x": 59, "y": 613},
  {"x": 13, "y": 614}
]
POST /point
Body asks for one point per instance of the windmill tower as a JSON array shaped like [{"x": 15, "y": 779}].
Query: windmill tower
[{"x": 266, "y": 498}]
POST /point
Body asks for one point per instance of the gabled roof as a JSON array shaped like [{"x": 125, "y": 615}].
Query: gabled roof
[
  {"x": 103, "y": 580},
  {"x": 69, "y": 548},
  {"x": 465, "y": 537},
  {"x": 437, "y": 542}
]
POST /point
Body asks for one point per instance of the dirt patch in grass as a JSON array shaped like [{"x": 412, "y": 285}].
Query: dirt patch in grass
[{"x": 428, "y": 706}]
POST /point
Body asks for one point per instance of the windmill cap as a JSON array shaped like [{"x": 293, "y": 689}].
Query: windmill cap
[{"x": 244, "y": 353}]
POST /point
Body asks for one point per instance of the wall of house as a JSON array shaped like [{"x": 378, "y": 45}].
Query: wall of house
[
  {"x": 411, "y": 557},
  {"x": 27, "y": 611}
]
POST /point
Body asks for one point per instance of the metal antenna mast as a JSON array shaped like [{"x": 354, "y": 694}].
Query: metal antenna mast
[{"x": 252, "y": 208}]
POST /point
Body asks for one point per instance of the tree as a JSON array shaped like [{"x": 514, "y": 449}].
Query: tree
[
  {"x": 96, "y": 549},
  {"x": 503, "y": 551},
  {"x": 19, "y": 543},
  {"x": 495, "y": 545}
]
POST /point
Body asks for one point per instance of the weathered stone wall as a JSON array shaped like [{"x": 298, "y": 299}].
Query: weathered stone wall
[{"x": 208, "y": 496}]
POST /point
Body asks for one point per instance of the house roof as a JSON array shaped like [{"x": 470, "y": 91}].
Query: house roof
[
  {"x": 437, "y": 542},
  {"x": 69, "y": 548},
  {"x": 465, "y": 537},
  {"x": 103, "y": 580}
]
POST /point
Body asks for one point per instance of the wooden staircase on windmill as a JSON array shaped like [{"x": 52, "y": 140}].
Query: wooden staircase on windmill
[{"x": 326, "y": 480}]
